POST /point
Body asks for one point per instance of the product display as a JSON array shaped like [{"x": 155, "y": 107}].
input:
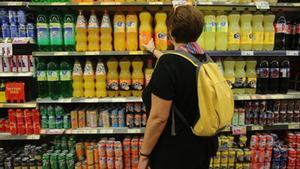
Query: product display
[{"x": 17, "y": 64}]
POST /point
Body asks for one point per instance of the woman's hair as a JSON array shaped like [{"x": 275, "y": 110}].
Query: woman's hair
[{"x": 185, "y": 24}]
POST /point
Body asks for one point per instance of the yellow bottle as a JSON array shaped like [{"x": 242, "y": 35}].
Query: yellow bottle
[
  {"x": 112, "y": 78},
  {"x": 222, "y": 31},
  {"x": 161, "y": 31},
  {"x": 240, "y": 76},
  {"x": 258, "y": 31},
  {"x": 145, "y": 30},
  {"x": 106, "y": 30},
  {"x": 77, "y": 77},
  {"x": 119, "y": 32},
  {"x": 234, "y": 31},
  {"x": 89, "y": 79},
  {"x": 228, "y": 65},
  {"x": 81, "y": 33},
  {"x": 200, "y": 41},
  {"x": 131, "y": 32},
  {"x": 269, "y": 32},
  {"x": 251, "y": 76},
  {"x": 100, "y": 80},
  {"x": 246, "y": 31},
  {"x": 137, "y": 77},
  {"x": 148, "y": 72},
  {"x": 93, "y": 33},
  {"x": 125, "y": 77},
  {"x": 210, "y": 31}
]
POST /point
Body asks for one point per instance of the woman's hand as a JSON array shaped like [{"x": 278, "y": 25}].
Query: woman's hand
[
  {"x": 143, "y": 163},
  {"x": 150, "y": 46}
]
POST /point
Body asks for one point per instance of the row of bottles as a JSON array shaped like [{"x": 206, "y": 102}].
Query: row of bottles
[{"x": 235, "y": 1}]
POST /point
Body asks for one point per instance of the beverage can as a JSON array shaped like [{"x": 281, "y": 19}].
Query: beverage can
[
  {"x": 74, "y": 119},
  {"x": 110, "y": 163},
  {"x": 90, "y": 155},
  {"x": 254, "y": 142},
  {"x": 62, "y": 160},
  {"x": 14, "y": 31},
  {"x": 118, "y": 149},
  {"x": 22, "y": 30},
  {"x": 78, "y": 165},
  {"x": 134, "y": 161},
  {"x": 276, "y": 154},
  {"x": 12, "y": 16},
  {"x": 79, "y": 151},
  {"x": 5, "y": 30},
  {"x": 54, "y": 161},
  {"x": 224, "y": 156},
  {"x": 135, "y": 146},
  {"x": 119, "y": 163},
  {"x": 81, "y": 118},
  {"x": 30, "y": 30},
  {"x": 110, "y": 148},
  {"x": 247, "y": 155},
  {"x": 261, "y": 155},
  {"x": 262, "y": 141},
  {"x": 102, "y": 148},
  {"x": 269, "y": 141},
  {"x": 96, "y": 154},
  {"x": 230, "y": 165},
  {"x": 231, "y": 156},
  {"x": 127, "y": 146},
  {"x": 268, "y": 154},
  {"x": 70, "y": 162},
  {"x": 121, "y": 117},
  {"x": 240, "y": 155},
  {"x": 223, "y": 166},
  {"x": 102, "y": 162}
]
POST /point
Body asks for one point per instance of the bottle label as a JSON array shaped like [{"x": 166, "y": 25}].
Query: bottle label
[
  {"x": 280, "y": 27},
  {"x": 246, "y": 37},
  {"x": 210, "y": 27},
  {"x": 274, "y": 72},
  {"x": 269, "y": 38},
  {"x": 105, "y": 22},
  {"x": 258, "y": 38},
  {"x": 222, "y": 27},
  {"x": 239, "y": 82},
  {"x": 31, "y": 30},
  {"x": 5, "y": 30},
  {"x": 65, "y": 75},
  {"x": 112, "y": 84},
  {"x": 285, "y": 72},
  {"x": 145, "y": 37},
  {"x": 125, "y": 84},
  {"x": 234, "y": 38},
  {"x": 22, "y": 30},
  {"x": 263, "y": 72},
  {"x": 56, "y": 34},
  {"x": 137, "y": 84},
  {"x": 119, "y": 27},
  {"x": 81, "y": 22},
  {"x": 77, "y": 70},
  {"x": 251, "y": 82},
  {"x": 289, "y": 29},
  {"x": 161, "y": 38},
  {"x": 41, "y": 75},
  {"x": 131, "y": 27},
  {"x": 13, "y": 30},
  {"x": 88, "y": 70},
  {"x": 100, "y": 70},
  {"x": 93, "y": 22},
  {"x": 52, "y": 75}
]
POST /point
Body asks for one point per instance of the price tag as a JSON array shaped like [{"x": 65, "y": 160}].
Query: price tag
[
  {"x": 107, "y": 3},
  {"x": 6, "y": 49},
  {"x": 55, "y": 131},
  {"x": 156, "y": 3},
  {"x": 293, "y": 126},
  {"x": 257, "y": 128},
  {"x": 106, "y": 131},
  {"x": 262, "y": 5},
  {"x": 68, "y": 131},
  {"x": 85, "y": 3},
  {"x": 92, "y": 53},
  {"x": 60, "y": 53},
  {"x": 177, "y": 3},
  {"x": 91, "y": 131},
  {"x": 247, "y": 53},
  {"x": 43, "y": 131},
  {"x": 14, "y": 3},
  {"x": 58, "y": 3},
  {"x": 292, "y": 53},
  {"x": 136, "y": 52},
  {"x": 239, "y": 130},
  {"x": 134, "y": 131}
]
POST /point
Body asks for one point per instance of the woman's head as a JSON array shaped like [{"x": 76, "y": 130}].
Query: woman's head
[{"x": 185, "y": 24}]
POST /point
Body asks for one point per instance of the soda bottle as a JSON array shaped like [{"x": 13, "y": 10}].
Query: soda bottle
[
  {"x": 93, "y": 33},
  {"x": 234, "y": 31},
  {"x": 53, "y": 79},
  {"x": 274, "y": 76},
  {"x": 200, "y": 41},
  {"x": 65, "y": 78},
  {"x": 56, "y": 35},
  {"x": 69, "y": 32},
  {"x": 89, "y": 79},
  {"x": 77, "y": 77},
  {"x": 148, "y": 71},
  {"x": 297, "y": 36},
  {"x": 222, "y": 31},
  {"x": 106, "y": 30},
  {"x": 280, "y": 32},
  {"x": 246, "y": 31},
  {"x": 131, "y": 31},
  {"x": 161, "y": 31},
  {"x": 100, "y": 79},
  {"x": 289, "y": 37},
  {"x": 42, "y": 26},
  {"x": 145, "y": 30},
  {"x": 137, "y": 77},
  {"x": 41, "y": 73},
  {"x": 240, "y": 76},
  {"x": 112, "y": 78},
  {"x": 228, "y": 65},
  {"x": 119, "y": 31},
  {"x": 262, "y": 76},
  {"x": 209, "y": 31},
  {"x": 81, "y": 33},
  {"x": 258, "y": 31},
  {"x": 269, "y": 31},
  {"x": 125, "y": 77},
  {"x": 284, "y": 76},
  {"x": 250, "y": 76}
]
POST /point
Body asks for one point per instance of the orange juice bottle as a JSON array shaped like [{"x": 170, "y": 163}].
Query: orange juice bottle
[
  {"x": 106, "y": 30},
  {"x": 131, "y": 31},
  {"x": 77, "y": 80},
  {"x": 125, "y": 77},
  {"x": 93, "y": 33},
  {"x": 119, "y": 32},
  {"x": 112, "y": 78},
  {"x": 161, "y": 40},
  {"x": 146, "y": 30},
  {"x": 100, "y": 80},
  {"x": 148, "y": 71},
  {"x": 81, "y": 33},
  {"x": 89, "y": 80},
  {"x": 137, "y": 77}
]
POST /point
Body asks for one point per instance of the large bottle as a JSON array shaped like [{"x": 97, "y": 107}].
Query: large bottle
[
  {"x": 137, "y": 77},
  {"x": 112, "y": 78},
  {"x": 284, "y": 76},
  {"x": 290, "y": 33},
  {"x": 148, "y": 72},
  {"x": 234, "y": 31},
  {"x": 280, "y": 32},
  {"x": 100, "y": 79},
  {"x": 145, "y": 30},
  {"x": 210, "y": 31},
  {"x": 274, "y": 76},
  {"x": 250, "y": 76},
  {"x": 89, "y": 79},
  {"x": 65, "y": 78},
  {"x": 41, "y": 73},
  {"x": 240, "y": 76},
  {"x": 131, "y": 32},
  {"x": 56, "y": 35},
  {"x": 200, "y": 41},
  {"x": 125, "y": 77},
  {"x": 93, "y": 33},
  {"x": 269, "y": 32},
  {"x": 119, "y": 32},
  {"x": 53, "y": 79},
  {"x": 228, "y": 65},
  {"x": 106, "y": 30},
  {"x": 77, "y": 76},
  {"x": 81, "y": 33},
  {"x": 258, "y": 31},
  {"x": 262, "y": 76},
  {"x": 246, "y": 31},
  {"x": 297, "y": 36},
  {"x": 222, "y": 31},
  {"x": 69, "y": 32},
  {"x": 161, "y": 31},
  {"x": 42, "y": 26}
]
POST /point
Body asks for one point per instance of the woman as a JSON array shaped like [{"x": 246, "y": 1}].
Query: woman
[{"x": 173, "y": 82}]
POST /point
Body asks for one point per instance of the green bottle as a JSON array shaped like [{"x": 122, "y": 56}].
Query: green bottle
[
  {"x": 56, "y": 36},
  {"x": 51, "y": 117},
  {"x": 59, "y": 112},
  {"x": 69, "y": 32},
  {"x": 42, "y": 27},
  {"x": 66, "y": 78},
  {"x": 53, "y": 79},
  {"x": 41, "y": 73}
]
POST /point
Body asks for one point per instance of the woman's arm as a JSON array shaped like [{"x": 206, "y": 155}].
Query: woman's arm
[{"x": 151, "y": 48}]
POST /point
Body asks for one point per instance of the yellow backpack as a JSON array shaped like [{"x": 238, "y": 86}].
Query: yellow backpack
[{"x": 215, "y": 98}]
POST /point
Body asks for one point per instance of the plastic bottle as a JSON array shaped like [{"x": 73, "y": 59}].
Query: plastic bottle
[
  {"x": 228, "y": 65},
  {"x": 93, "y": 33},
  {"x": 131, "y": 32},
  {"x": 43, "y": 40},
  {"x": 81, "y": 33},
  {"x": 41, "y": 73},
  {"x": 234, "y": 31},
  {"x": 274, "y": 76},
  {"x": 262, "y": 76},
  {"x": 106, "y": 30},
  {"x": 100, "y": 79},
  {"x": 56, "y": 35},
  {"x": 161, "y": 31},
  {"x": 210, "y": 31},
  {"x": 284, "y": 76},
  {"x": 77, "y": 76},
  {"x": 250, "y": 76},
  {"x": 119, "y": 32},
  {"x": 53, "y": 79},
  {"x": 148, "y": 71},
  {"x": 240, "y": 76},
  {"x": 258, "y": 31},
  {"x": 269, "y": 32},
  {"x": 280, "y": 32},
  {"x": 112, "y": 78},
  {"x": 89, "y": 79},
  {"x": 65, "y": 78},
  {"x": 246, "y": 31},
  {"x": 145, "y": 30},
  {"x": 289, "y": 35},
  {"x": 200, "y": 41},
  {"x": 125, "y": 77},
  {"x": 222, "y": 31},
  {"x": 297, "y": 36},
  {"x": 69, "y": 32},
  {"x": 137, "y": 77}
]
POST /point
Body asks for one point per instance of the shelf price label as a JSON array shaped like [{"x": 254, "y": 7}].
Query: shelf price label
[
  {"x": 134, "y": 130},
  {"x": 293, "y": 126},
  {"x": 262, "y": 5},
  {"x": 6, "y": 49},
  {"x": 106, "y": 131},
  {"x": 239, "y": 130},
  {"x": 55, "y": 131},
  {"x": 247, "y": 53},
  {"x": 292, "y": 53},
  {"x": 257, "y": 128}
]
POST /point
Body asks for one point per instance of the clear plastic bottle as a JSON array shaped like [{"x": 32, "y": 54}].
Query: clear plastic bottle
[
  {"x": 210, "y": 31},
  {"x": 81, "y": 33},
  {"x": 258, "y": 31},
  {"x": 93, "y": 33},
  {"x": 89, "y": 79},
  {"x": 106, "y": 31},
  {"x": 269, "y": 32},
  {"x": 222, "y": 31},
  {"x": 246, "y": 31},
  {"x": 145, "y": 30},
  {"x": 119, "y": 32},
  {"x": 77, "y": 77},
  {"x": 100, "y": 79},
  {"x": 234, "y": 31},
  {"x": 125, "y": 77},
  {"x": 131, "y": 31},
  {"x": 161, "y": 31}
]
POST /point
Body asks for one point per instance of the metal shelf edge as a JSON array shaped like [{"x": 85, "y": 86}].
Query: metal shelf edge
[
  {"x": 92, "y": 100},
  {"x": 8, "y": 136},
  {"x": 31, "y": 104},
  {"x": 10, "y": 74}
]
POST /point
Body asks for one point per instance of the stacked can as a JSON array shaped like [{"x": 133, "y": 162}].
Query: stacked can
[
  {"x": 293, "y": 159},
  {"x": 54, "y": 117},
  {"x": 58, "y": 159}
]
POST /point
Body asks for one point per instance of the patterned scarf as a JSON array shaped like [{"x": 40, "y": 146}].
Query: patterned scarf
[{"x": 192, "y": 48}]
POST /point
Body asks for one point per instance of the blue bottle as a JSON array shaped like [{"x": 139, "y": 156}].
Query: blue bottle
[
  {"x": 31, "y": 31},
  {"x": 5, "y": 30},
  {"x": 14, "y": 31},
  {"x": 22, "y": 30}
]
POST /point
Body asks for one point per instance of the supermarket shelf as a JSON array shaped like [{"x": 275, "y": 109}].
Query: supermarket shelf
[
  {"x": 290, "y": 95},
  {"x": 99, "y": 130},
  {"x": 255, "y": 53},
  {"x": 283, "y": 126},
  {"x": 31, "y": 104},
  {"x": 8, "y": 136},
  {"x": 92, "y": 100},
  {"x": 27, "y": 74},
  {"x": 13, "y": 4}
]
